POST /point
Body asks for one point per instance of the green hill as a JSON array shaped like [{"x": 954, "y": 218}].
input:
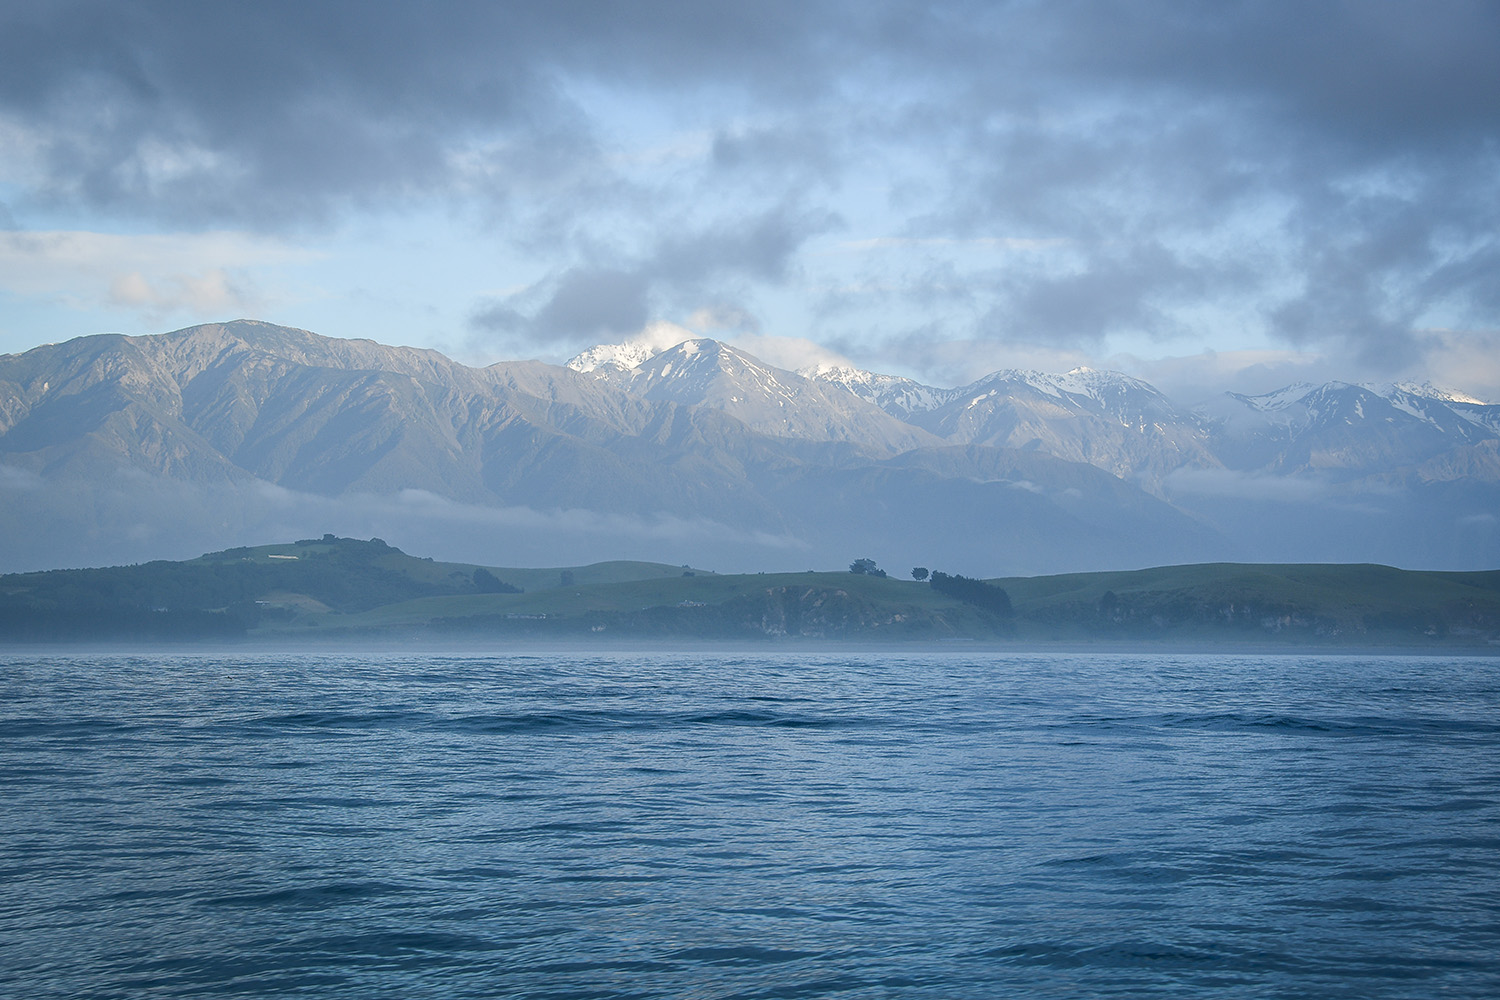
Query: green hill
[
  {"x": 244, "y": 590},
  {"x": 1309, "y": 602},
  {"x": 342, "y": 587}
]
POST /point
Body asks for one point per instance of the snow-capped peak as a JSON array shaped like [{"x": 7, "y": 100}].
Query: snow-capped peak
[
  {"x": 653, "y": 340},
  {"x": 831, "y": 372},
  {"x": 1279, "y": 399},
  {"x": 623, "y": 356},
  {"x": 1424, "y": 390}
]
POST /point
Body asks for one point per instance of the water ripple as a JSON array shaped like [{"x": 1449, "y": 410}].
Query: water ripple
[{"x": 750, "y": 826}]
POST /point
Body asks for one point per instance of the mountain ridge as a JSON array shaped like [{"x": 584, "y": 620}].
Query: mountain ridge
[{"x": 220, "y": 431}]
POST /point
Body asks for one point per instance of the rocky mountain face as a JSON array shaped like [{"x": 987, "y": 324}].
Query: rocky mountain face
[
  {"x": 121, "y": 448},
  {"x": 768, "y": 400}
]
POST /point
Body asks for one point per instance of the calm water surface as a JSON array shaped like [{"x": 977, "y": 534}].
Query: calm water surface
[{"x": 770, "y": 825}]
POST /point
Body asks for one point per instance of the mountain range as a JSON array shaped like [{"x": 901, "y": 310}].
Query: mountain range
[{"x": 119, "y": 449}]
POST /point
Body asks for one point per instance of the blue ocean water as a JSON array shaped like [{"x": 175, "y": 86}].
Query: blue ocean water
[{"x": 713, "y": 825}]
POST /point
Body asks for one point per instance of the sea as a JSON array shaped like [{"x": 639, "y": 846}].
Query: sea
[{"x": 954, "y": 823}]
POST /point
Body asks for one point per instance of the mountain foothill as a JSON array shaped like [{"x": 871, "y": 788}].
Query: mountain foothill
[{"x": 122, "y": 449}]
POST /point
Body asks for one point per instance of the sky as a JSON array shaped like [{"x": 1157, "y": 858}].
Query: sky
[{"x": 1211, "y": 196}]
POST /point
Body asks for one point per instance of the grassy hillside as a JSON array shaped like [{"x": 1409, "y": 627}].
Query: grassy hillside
[
  {"x": 1311, "y": 602},
  {"x": 347, "y": 587},
  {"x": 814, "y": 605},
  {"x": 243, "y": 589}
]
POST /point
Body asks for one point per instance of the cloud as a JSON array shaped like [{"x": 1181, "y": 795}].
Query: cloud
[
  {"x": 724, "y": 316},
  {"x": 944, "y": 242},
  {"x": 212, "y": 291},
  {"x": 760, "y": 246},
  {"x": 790, "y": 353},
  {"x": 958, "y": 362},
  {"x": 590, "y": 303},
  {"x": 1336, "y": 180},
  {"x": 18, "y": 479},
  {"x": 1193, "y": 378},
  {"x": 582, "y": 304},
  {"x": 155, "y": 273},
  {"x": 1463, "y": 359},
  {"x": 279, "y": 113},
  {"x": 1118, "y": 292},
  {"x": 50, "y": 523},
  {"x": 1325, "y": 176},
  {"x": 1187, "y": 483}
]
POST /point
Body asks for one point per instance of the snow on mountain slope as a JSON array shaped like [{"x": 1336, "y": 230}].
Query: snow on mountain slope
[
  {"x": 898, "y": 396},
  {"x": 115, "y": 441},
  {"x": 120, "y": 449},
  {"x": 611, "y": 356},
  {"x": 1352, "y": 428},
  {"x": 1305, "y": 403},
  {"x": 766, "y": 399},
  {"x": 1105, "y": 419}
]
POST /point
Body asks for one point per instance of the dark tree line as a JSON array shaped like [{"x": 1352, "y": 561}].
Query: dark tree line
[
  {"x": 976, "y": 592},
  {"x": 488, "y": 583}
]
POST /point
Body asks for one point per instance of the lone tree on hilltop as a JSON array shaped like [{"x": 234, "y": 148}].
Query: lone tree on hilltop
[
  {"x": 919, "y": 574},
  {"x": 865, "y": 566}
]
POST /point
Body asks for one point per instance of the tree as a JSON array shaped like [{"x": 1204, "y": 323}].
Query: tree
[
  {"x": 976, "y": 592},
  {"x": 861, "y": 566},
  {"x": 919, "y": 574},
  {"x": 488, "y": 583}
]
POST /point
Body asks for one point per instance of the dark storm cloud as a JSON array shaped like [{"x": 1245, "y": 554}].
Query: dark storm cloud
[
  {"x": 759, "y": 246},
  {"x": 1347, "y": 148},
  {"x": 584, "y": 303},
  {"x": 1332, "y": 164},
  {"x": 1377, "y": 76},
  {"x": 603, "y": 301},
  {"x": 279, "y": 111},
  {"x": 1112, "y": 293}
]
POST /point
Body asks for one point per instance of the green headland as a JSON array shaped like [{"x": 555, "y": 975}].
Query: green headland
[{"x": 339, "y": 588}]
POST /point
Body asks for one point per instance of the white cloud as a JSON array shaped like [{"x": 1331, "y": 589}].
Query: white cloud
[
  {"x": 213, "y": 291},
  {"x": 157, "y": 273},
  {"x": 1466, "y": 360},
  {"x": 14, "y": 478},
  {"x": 661, "y": 335},
  {"x": 723, "y": 317},
  {"x": 959, "y": 362},
  {"x": 1183, "y": 483},
  {"x": 790, "y": 353},
  {"x": 1193, "y": 378}
]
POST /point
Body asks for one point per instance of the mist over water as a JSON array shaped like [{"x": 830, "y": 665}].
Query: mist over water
[{"x": 765, "y": 825}]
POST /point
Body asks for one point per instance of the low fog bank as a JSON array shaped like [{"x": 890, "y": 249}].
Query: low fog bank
[
  {"x": 985, "y": 530},
  {"x": 56, "y": 525}
]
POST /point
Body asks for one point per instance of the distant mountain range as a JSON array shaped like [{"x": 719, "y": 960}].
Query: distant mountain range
[{"x": 119, "y": 449}]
